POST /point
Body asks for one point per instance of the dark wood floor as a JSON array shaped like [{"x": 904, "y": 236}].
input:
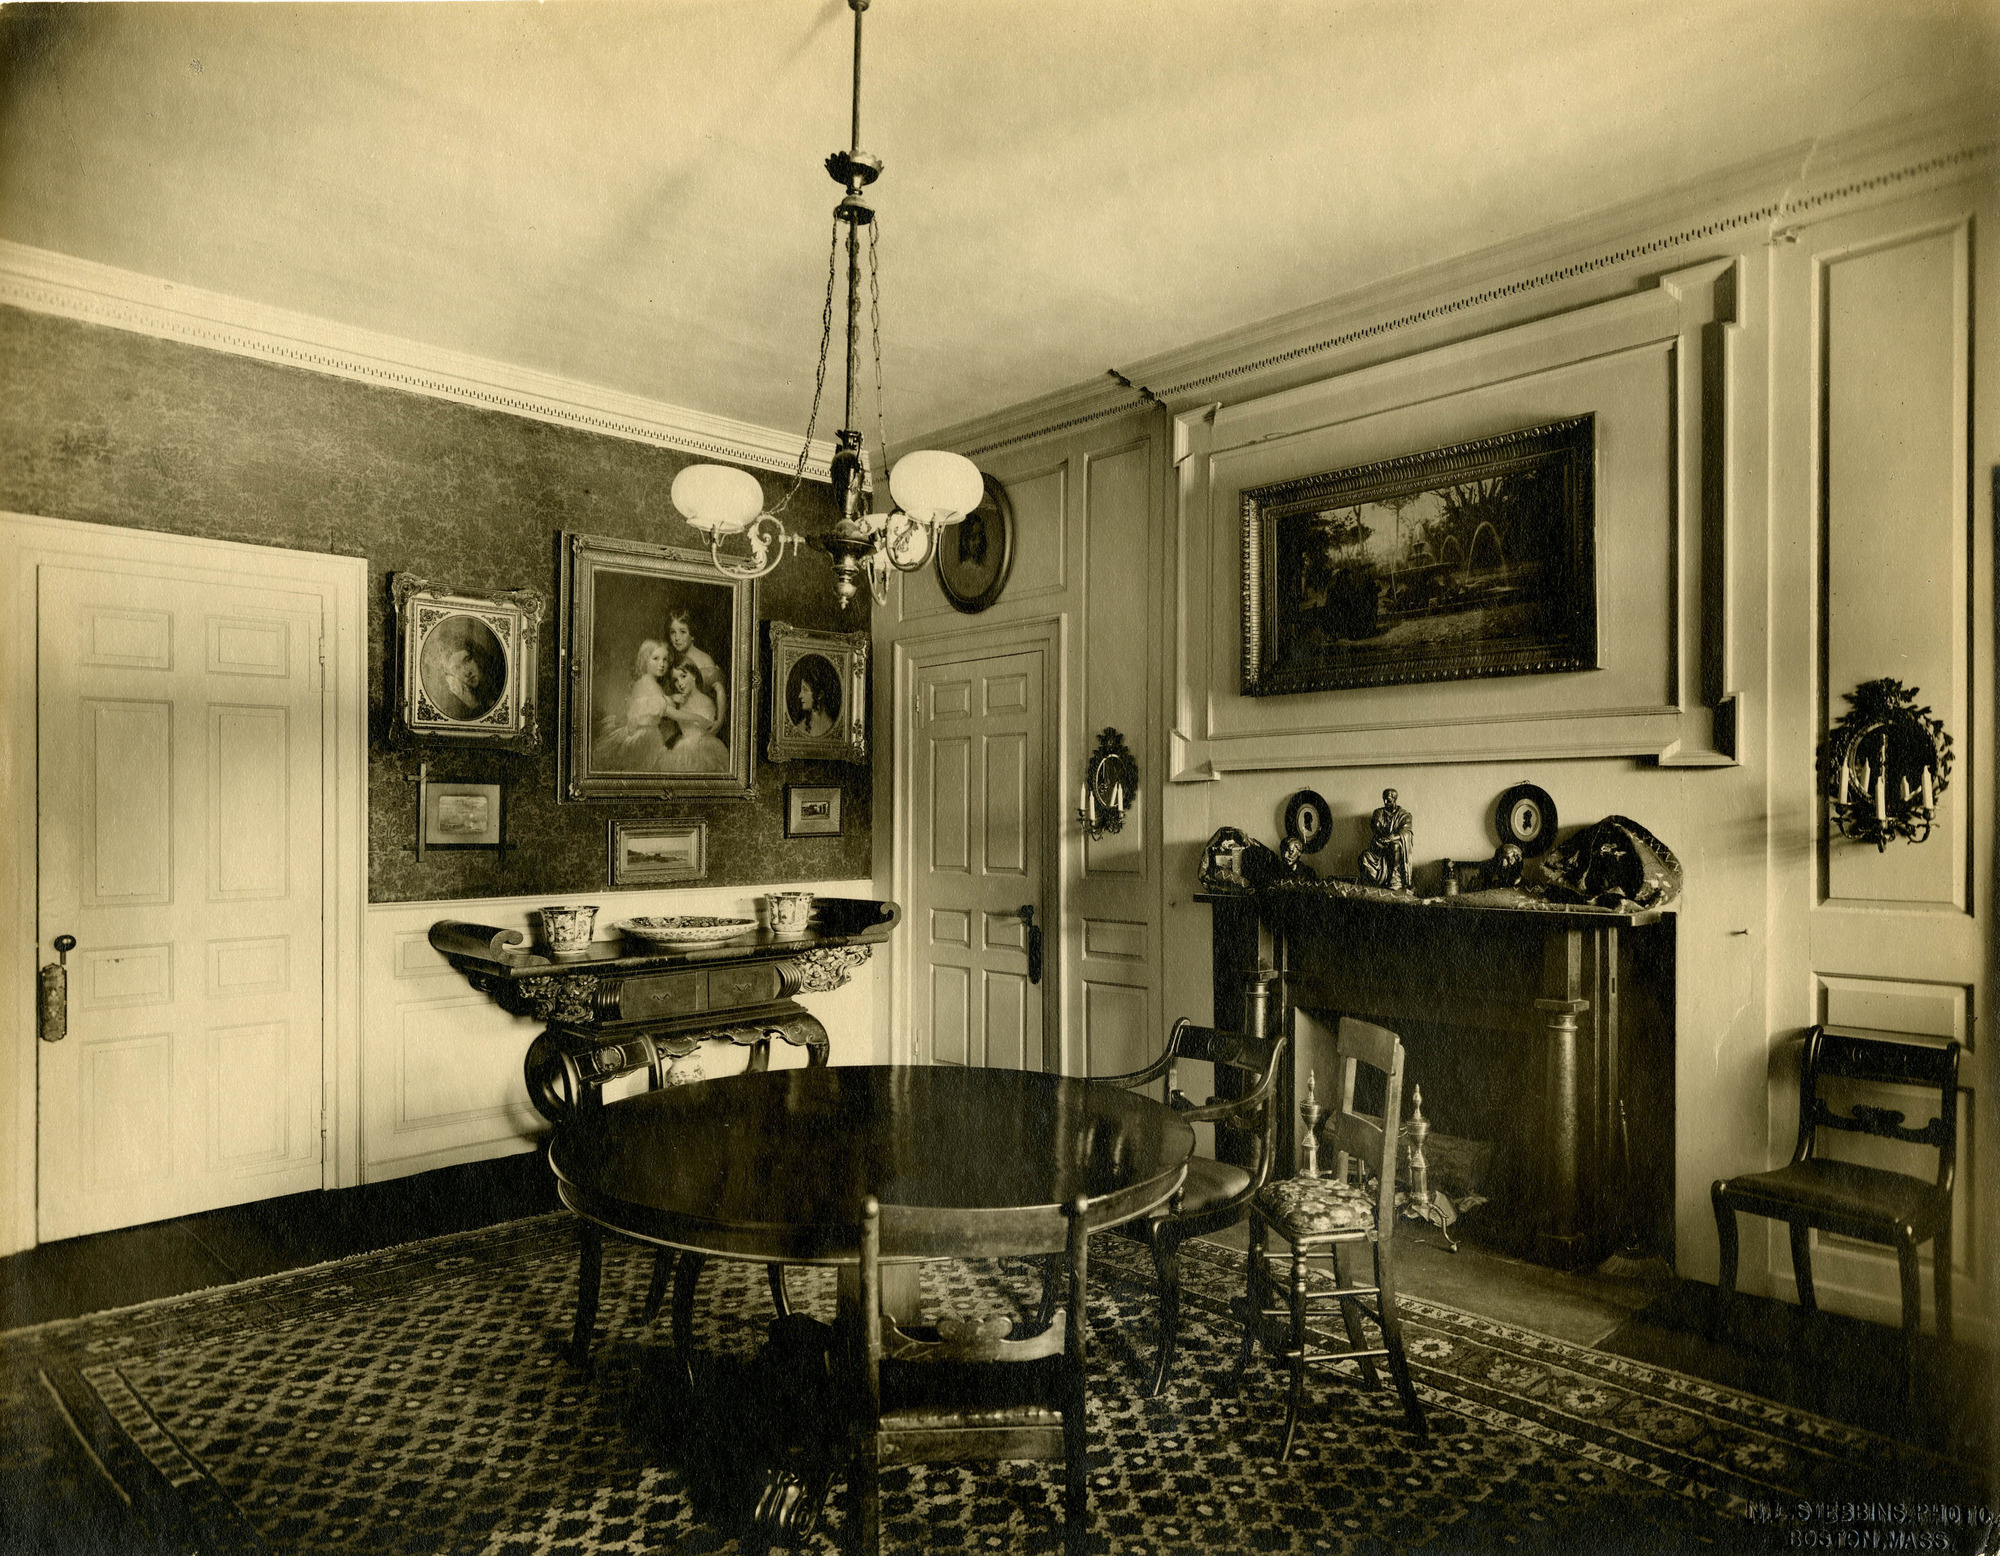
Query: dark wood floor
[{"x": 1819, "y": 1362}]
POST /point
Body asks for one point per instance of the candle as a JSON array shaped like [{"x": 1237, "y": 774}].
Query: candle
[
  {"x": 1903, "y": 784},
  {"x": 1118, "y": 796},
  {"x": 1843, "y": 780},
  {"x": 1083, "y": 804},
  {"x": 1930, "y": 800},
  {"x": 1881, "y": 796}
]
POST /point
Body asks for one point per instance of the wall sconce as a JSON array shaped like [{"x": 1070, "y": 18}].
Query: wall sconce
[
  {"x": 1110, "y": 784},
  {"x": 1884, "y": 765}
]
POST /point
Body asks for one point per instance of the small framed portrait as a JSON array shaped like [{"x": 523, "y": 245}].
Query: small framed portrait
[
  {"x": 467, "y": 667},
  {"x": 812, "y": 810},
  {"x": 652, "y": 853},
  {"x": 819, "y": 695},
  {"x": 461, "y": 815},
  {"x": 657, "y": 662},
  {"x": 975, "y": 555}
]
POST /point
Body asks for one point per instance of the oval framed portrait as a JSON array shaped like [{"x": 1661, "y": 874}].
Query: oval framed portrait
[
  {"x": 975, "y": 555},
  {"x": 1526, "y": 817},
  {"x": 1306, "y": 819}
]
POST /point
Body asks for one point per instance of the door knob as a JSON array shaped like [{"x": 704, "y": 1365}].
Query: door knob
[
  {"x": 54, "y": 1024},
  {"x": 1034, "y": 943}
]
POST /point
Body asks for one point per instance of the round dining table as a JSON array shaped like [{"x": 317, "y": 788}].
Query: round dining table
[{"x": 774, "y": 1168}]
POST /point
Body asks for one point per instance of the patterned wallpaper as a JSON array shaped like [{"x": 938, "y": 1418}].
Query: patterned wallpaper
[{"x": 110, "y": 427}]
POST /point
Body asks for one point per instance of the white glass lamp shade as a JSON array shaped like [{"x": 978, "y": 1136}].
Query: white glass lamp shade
[
  {"x": 936, "y": 486},
  {"x": 717, "y": 499}
]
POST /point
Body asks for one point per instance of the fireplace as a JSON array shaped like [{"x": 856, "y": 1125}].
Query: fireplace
[{"x": 1548, "y": 1032}]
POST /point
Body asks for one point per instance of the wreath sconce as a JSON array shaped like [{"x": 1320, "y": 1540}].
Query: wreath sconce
[{"x": 1884, "y": 765}]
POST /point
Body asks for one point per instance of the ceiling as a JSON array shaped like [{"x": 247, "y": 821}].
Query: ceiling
[{"x": 630, "y": 193}]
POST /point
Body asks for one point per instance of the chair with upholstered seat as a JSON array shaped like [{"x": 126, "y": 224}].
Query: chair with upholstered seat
[
  {"x": 1217, "y": 1191},
  {"x": 971, "y": 1389},
  {"x": 1817, "y": 1191},
  {"x": 1324, "y": 1217}
]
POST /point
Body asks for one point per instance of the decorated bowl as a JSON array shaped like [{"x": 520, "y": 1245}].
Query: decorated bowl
[{"x": 686, "y": 929}]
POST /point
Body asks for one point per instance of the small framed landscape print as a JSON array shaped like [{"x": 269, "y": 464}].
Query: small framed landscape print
[
  {"x": 652, "y": 853},
  {"x": 812, "y": 811},
  {"x": 819, "y": 694},
  {"x": 461, "y": 815},
  {"x": 657, "y": 663},
  {"x": 1474, "y": 560},
  {"x": 467, "y": 667}
]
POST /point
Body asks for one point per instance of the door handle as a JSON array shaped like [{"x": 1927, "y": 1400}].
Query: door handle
[
  {"x": 54, "y": 976},
  {"x": 1034, "y": 943}
]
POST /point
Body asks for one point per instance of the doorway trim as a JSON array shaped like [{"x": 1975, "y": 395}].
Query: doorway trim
[
  {"x": 26, "y": 542},
  {"x": 1049, "y": 635}
]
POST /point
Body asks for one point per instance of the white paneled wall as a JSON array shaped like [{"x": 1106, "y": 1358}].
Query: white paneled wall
[{"x": 441, "y": 1063}]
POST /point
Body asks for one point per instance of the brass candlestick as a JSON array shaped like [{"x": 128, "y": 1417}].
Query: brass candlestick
[
  {"x": 1418, "y": 1204},
  {"x": 1310, "y": 1113}
]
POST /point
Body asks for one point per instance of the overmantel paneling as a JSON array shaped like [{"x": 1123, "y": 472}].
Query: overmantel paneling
[{"x": 1652, "y": 368}]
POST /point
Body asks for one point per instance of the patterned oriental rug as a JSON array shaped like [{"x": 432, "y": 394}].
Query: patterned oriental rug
[{"x": 417, "y": 1401}]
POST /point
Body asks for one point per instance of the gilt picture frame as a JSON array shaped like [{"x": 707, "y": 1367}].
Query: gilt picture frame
[
  {"x": 819, "y": 695},
  {"x": 462, "y": 815},
  {"x": 1477, "y": 559},
  {"x": 655, "y": 853},
  {"x": 656, "y": 673},
  {"x": 466, "y": 666}
]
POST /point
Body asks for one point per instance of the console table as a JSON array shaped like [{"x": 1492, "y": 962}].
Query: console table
[
  {"x": 1590, "y": 990},
  {"x": 631, "y": 1005}
]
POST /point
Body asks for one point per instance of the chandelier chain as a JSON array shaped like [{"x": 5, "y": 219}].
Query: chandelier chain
[
  {"x": 875, "y": 322},
  {"x": 819, "y": 377}
]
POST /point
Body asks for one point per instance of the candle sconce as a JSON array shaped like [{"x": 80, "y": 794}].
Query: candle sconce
[
  {"x": 1884, "y": 765},
  {"x": 1110, "y": 784}
]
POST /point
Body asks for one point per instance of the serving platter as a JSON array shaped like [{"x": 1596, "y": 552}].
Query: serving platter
[{"x": 687, "y": 929}]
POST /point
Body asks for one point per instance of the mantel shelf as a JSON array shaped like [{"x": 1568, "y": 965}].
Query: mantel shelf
[{"x": 1302, "y": 895}]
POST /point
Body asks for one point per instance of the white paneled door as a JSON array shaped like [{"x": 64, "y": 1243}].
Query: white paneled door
[
  {"x": 180, "y": 819},
  {"x": 978, "y": 796}
]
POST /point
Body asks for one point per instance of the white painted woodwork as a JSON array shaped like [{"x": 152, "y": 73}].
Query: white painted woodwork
[
  {"x": 1637, "y": 364},
  {"x": 979, "y": 803},
  {"x": 1874, "y": 340},
  {"x": 180, "y": 833}
]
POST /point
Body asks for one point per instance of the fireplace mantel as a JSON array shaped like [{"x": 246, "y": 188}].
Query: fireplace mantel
[{"x": 1591, "y": 989}]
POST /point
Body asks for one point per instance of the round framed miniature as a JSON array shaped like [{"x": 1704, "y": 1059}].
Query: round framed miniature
[
  {"x": 1306, "y": 819},
  {"x": 1526, "y": 817}
]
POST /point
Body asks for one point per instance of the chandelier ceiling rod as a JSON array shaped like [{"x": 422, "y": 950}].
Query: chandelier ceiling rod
[{"x": 932, "y": 490}]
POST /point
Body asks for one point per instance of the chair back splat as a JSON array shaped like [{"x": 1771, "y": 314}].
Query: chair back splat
[
  {"x": 1817, "y": 1190},
  {"x": 964, "y": 1389},
  {"x": 1324, "y": 1218},
  {"x": 1218, "y": 1190}
]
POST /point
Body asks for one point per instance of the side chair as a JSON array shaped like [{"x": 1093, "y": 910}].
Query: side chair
[
  {"x": 1871, "y": 1203},
  {"x": 970, "y": 1389},
  {"x": 1324, "y": 1217},
  {"x": 1218, "y": 1190}
]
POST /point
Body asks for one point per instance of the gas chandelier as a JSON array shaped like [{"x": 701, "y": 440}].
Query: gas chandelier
[{"x": 931, "y": 490}]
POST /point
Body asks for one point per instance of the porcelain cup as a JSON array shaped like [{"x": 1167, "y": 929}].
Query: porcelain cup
[
  {"x": 568, "y": 930},
  {"x": 789, "y": 911}
]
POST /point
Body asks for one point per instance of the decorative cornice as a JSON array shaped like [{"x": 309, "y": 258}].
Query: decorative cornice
[
  {"x": 47, "y": 282},
  {"x": 1775, "y": 194}
]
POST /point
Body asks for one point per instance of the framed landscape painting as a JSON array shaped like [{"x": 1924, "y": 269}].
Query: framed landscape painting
[
  {"x": 656, "y": 673},
  {"x": 1473, "y": 560}
]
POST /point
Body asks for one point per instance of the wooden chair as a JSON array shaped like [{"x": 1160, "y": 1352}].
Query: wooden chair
[
  {"x": 970, "y": 1389},
  {"x": 1871, "y": 1203},
  {"x": 1322, "y": 1217},
  {"x": 1218, "y": 1190}
]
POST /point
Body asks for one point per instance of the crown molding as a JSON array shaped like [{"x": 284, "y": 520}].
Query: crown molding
[
  {"x": 1764, "y": 200},
  {"x": 43, "y": 281}
]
